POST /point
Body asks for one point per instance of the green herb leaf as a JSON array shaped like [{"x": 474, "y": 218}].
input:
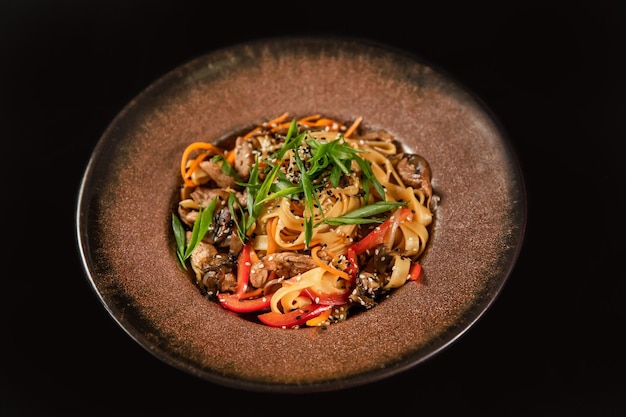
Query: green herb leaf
[
  {"x": 340, "y": 221},
  {"x": 369, "y": 174},
  {"x": 198, "y": 231},
  {"x": 236, "y": 215},
  {"x": 291, "y": 141},
  {"x": 179, "y": 235},
  {"x": 362, "y": 215},
  {"x": 227, "y": 168},
  {"x": 307, "y": 188}
]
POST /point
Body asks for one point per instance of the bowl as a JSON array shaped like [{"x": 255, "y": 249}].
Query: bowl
[{"x": 131, "y": 182}]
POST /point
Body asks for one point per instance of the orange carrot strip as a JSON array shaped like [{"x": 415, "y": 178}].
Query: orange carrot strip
[
  {"x": 327, "y": 267},
  {"x": 315, "y": 321},
  {"x": 270, "y": 123},
  {"x": 254, "y": 257},
  {"x": 309, "y": 119},
  {"x": 230, "y": 157},
  {"x": 326, "y": 122},
  {"x": 280, "y": 126},
  {"x": 352, "y": 128},
  {"x": 251, "y": 294},
  {"x": 194, "y": 147},
  {"x": 279, "y": 119},
  {"x": 250, "y": 133},
  {"x": 271, "y": 233},
  {"x": 195, "y": 163}
]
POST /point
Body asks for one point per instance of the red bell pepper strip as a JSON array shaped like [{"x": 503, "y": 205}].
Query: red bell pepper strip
[
  {"x": 244, "y": 265},
  {"x": 232, "y": 302},
  {"x": 375, "y": 238},
  {"x": 235, "y": 302},
  {"x": 293, "y": 318},
  {"x": 327, "y": 298},
  {"x": 415, "y": 274}
]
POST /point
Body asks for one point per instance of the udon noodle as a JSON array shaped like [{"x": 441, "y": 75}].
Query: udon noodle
[{"x": 303, "y": 221}]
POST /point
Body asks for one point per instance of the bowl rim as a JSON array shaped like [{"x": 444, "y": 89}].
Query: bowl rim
[{"x": 89, "y": 190}]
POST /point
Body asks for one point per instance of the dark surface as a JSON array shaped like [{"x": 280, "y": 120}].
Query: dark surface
[{"x": 551, "y": 345}]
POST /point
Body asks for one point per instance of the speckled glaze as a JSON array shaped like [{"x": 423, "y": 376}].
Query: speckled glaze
[{"x": 129, "y": 190}]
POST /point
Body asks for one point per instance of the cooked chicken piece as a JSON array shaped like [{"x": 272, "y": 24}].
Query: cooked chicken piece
[
  {"x": 367, "y": 289},
  {"x": 202, "y": 196},
  {"x": 214, "y": 271},
  {"x": 285, "y": 264},
  {"x": 415, "y": 172},
  {"x": 244, "y": 156},
  {"x": 217, "y": 174}
]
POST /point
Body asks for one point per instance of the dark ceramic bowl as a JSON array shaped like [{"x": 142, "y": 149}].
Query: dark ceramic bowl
[{"x": 130, "y": 187}]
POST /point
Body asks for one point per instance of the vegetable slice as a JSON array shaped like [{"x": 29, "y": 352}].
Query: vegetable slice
[{"x": 293, "y": 318}]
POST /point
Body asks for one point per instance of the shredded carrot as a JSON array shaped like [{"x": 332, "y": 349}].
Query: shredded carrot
[
  {"x": 310, "y": 118},
  {"x": 325, "y": 266},
  {"x": 316, "y": 321},
  {"x": 326, "y": 122},
  {"x": 254, "y": 257},
  {"x": 251, "y": 294},
  {"x": 230, "y": 157},
  {"x": 196, "y": 146},
  {"x": 274, "y": 124},
  {"x": 352, "y": 128},
  {"x": 279, "y": 119},
  {"x": 271, "y": 233},
  {"x": 195, "y": 163},
  {"x": 303, "y": 121}
]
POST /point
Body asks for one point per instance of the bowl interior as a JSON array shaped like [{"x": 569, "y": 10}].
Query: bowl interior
[{"x": 129, "y": 189}]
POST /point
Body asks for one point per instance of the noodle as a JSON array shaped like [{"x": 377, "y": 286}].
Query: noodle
[{"x": 328, "y": 218}]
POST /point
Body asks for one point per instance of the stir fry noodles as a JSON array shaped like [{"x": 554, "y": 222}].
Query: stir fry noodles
[{"x": 303, "y": 221}]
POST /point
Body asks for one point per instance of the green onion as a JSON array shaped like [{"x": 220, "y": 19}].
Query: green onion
[
  {"x": 362, "y": 215},
  {"x": 331, "y": 159},
  {"x": 200, "y": 228}
]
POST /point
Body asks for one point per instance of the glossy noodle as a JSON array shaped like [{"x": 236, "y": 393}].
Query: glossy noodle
[{"x": 303, "y": 221}]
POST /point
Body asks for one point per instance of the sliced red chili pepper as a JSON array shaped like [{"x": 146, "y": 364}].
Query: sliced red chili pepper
[
  {"x": 293, "y": 318},
  {"x": 415, "y": 274},
  {"x": 232, "y": 302},
  {"x": 244, "y": 265},
  {"x": 326, "y": 298},
  {"x": 374, "y": 238}
]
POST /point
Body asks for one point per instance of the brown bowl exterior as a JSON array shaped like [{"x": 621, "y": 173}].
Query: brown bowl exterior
[{"x": 129, "y": 189}]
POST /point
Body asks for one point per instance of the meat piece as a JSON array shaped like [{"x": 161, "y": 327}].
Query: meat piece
[
  {"x": 285, "y": 264},
  {"x": 217, "y": 174},
  {"x": 202, "y": 196},
  {"x": 222, "y": 228},
  {"x": 368, "y": 287},
  {"x": 244, "y": 156},
  {"x": 415, "y": 172},
  {"x": 372, "y": 279},
  {"x": 214, "y": 271}
]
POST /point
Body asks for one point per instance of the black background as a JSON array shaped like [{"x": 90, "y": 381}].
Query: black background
[{"x": 552, "y": 343}]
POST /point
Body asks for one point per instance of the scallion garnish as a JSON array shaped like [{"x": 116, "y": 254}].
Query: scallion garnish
[
  {"x": 200, "y": 228},
  {"x": 326, "y": 163},
  {"x": 363, "y": 215}
]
